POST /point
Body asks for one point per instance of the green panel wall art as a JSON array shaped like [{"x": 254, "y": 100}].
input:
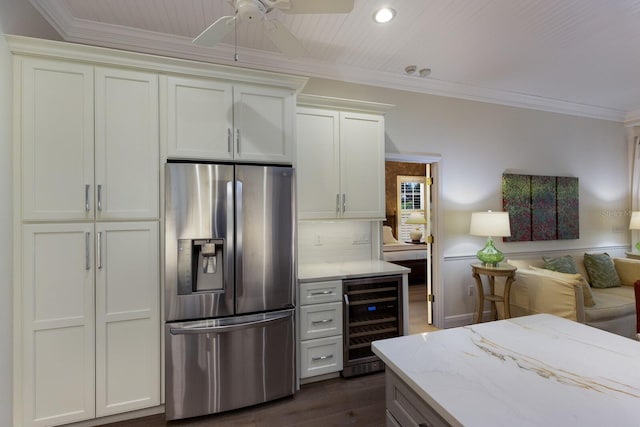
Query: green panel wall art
[{"x": 541, "y": 207}]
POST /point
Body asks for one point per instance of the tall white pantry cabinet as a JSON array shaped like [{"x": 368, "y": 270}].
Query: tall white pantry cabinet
[
  {"x": 92, "y": 129},
  {"x": 87, "y": 186}
]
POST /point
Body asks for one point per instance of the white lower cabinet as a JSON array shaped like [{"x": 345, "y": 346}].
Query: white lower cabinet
[
  {"x": 91, "y": 334},
  {"x": 320, "y": 328}
]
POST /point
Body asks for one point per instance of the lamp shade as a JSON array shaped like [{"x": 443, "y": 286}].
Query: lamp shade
[
  {"x": 490, "y": 224},
  {"x": 634, "y": 223},
  {"x": 416, "y": 218}
]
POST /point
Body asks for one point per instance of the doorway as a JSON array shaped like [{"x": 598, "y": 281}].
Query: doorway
[{"x": 410, "y": 192}]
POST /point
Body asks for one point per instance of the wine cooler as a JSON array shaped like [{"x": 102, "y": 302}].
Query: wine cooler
[{"x": 372, "y": 311}]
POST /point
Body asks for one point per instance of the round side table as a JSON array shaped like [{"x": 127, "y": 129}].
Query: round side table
[{"x": 501, "y": 270}]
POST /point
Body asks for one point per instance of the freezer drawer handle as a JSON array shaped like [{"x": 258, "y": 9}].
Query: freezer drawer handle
[
  {"x": 229, "y": 328},
  {"x": 321, "y": 293},
  {"x": 317, "y": 322},
  {"x": 318, "y": 358}
]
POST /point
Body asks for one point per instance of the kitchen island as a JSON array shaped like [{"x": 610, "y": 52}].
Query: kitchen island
[{"x": 537, "y": 370}]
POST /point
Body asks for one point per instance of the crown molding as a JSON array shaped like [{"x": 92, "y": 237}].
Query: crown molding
[
  {"x": 113, "y": 36},
  {"x": 307, "y": 100},
  {"x": 632, "y": 118}
]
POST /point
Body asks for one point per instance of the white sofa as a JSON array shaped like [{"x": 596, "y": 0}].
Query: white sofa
[{"x": 536, "y": 290}]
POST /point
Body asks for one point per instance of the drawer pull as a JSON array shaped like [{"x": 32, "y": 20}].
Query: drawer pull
[
  {"x": 318, "y": 322},
  {"x": 321, "y": 293},
  {"x": 318, "y": 358}
]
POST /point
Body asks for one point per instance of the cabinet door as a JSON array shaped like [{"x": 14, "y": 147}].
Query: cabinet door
[
  {"x": 127, "y": 317},
  {"x": 318, "y": 163},
  {"x": 57, "y": 140},
  {"x": 127, "y": 148},
  {"x": 199, "y": 119},
  {"x": 58, "y": 324},
  {"x": 362, "y": 165},
  {"x": 263, "y": 119}
]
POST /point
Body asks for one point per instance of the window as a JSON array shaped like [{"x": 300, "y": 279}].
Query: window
[{"x": 410, "y": 199}]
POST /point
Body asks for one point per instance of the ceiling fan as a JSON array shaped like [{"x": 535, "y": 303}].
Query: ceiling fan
[{"x": 254, "y": 11}]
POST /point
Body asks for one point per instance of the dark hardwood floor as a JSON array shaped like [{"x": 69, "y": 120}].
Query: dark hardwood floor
[{"x": 357, "y": 401}]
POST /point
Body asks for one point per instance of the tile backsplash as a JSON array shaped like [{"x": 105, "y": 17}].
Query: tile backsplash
[{"x": 335, "y": 241}]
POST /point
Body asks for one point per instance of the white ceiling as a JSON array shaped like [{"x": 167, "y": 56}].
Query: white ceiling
[{"x": 572, "y": 56}]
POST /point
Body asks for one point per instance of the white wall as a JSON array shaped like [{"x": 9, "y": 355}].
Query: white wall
[
  {"x": 6, "y": 233},
  {"x": 478, "y": 142}
]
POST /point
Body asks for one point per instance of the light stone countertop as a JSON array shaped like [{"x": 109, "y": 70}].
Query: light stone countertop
[
  {"x": 348, "y": 270},
  {"x": 537, "y": 370}
]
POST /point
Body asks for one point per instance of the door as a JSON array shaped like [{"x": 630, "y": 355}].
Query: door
[
  {"x": 127, "y": 146},
  {"x": 245, "y": 360},
  {"x": 199, "y": 209},
  {"x": 58, "y": 324},
  {"x": 199, "y": 118},
  {"x": 362, "y": 165},
  {"x": 265, "y": 235},
  {"x": 57, "y": 140},
  {"x": 263, "y": 119},
  {"x": 127, "y": 317},
  {"x": 318, "y": 163}
]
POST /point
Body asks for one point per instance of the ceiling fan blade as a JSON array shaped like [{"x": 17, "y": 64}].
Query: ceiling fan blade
[
  {"x": 316, "y": 6},
  {"x": 216, "y": 31},
  {"x": 286, "y": 42}
]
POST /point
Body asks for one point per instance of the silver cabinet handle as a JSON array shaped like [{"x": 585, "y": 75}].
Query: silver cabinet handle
[
  {"x": 338, "y": 203},
  {"x": 346, "y": 299},
  {"x": 99, "y": 245},
  {"x": 229, "y": 140},
  {"x": 86, "y": 198},
  {"x": 87, "y": 251},
  {"x": 318, "y": 322},
  {"x": 99, "y": 197},
  {"x": 317, "y": 358},
  {"x": 344, "y": 202},
  {"x": 321, "y": 293},
  {"x": 238, "y": 140}
]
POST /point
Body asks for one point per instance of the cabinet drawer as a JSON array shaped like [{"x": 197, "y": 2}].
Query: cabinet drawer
[
  {"x": 320, "y": 292},
  {"x": 320, "y": 320},
  {"x": 321, "y": 356}
]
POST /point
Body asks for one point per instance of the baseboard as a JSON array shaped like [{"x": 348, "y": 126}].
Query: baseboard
[{"x": 120, "y": 417}]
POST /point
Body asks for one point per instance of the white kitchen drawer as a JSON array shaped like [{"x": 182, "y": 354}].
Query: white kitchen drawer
[
  {"x": 320, "y": 320},
  {"x": 320, "y": 292},
  {"x": 321, "y": 356}
]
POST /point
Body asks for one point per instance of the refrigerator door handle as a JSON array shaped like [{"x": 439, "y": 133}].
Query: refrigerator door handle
[
  {"x": 231, "y": 328},
  {"x": 239, "y": 231}
]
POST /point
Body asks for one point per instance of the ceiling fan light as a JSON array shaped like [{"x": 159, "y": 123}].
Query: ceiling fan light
[{"x": 384, "y": 15}]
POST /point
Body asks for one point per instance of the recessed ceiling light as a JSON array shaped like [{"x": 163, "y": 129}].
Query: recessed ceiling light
[{"x": 384, "y": 15}]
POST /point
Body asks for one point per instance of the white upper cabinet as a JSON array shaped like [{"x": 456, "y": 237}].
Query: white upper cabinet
[
  {"x": 362, "y": 165},
  {"x": 199, "y": 118},
  {"x": 263, "y": 119},
  {"x": 75, "y": 169},
  {"x": 340, "y": 164},
  {"x": 318, "y": 163},
  {"x": 127, "y": 146},
  {"x": 213, "y": 120},
  {"x": 57, "y": 140}
]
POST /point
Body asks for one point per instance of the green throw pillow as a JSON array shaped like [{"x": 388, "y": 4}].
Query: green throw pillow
[
  {"x": 563, "y": 264},
  {"x": 602, "y": 273}
]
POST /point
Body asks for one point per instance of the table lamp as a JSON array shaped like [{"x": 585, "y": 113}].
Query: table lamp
[
  {"x": 416, "y": 218},
  {"x": 634, "y": 224},
  {"x": 490, "y": 224}
]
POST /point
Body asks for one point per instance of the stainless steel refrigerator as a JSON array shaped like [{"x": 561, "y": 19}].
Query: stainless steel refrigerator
[{"x": 229, "y": 286}]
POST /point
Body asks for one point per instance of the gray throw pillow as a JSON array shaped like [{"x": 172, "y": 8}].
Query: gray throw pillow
[
  {"x": 602, "y": 272},
  {"x": 563, "y": 264}
]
